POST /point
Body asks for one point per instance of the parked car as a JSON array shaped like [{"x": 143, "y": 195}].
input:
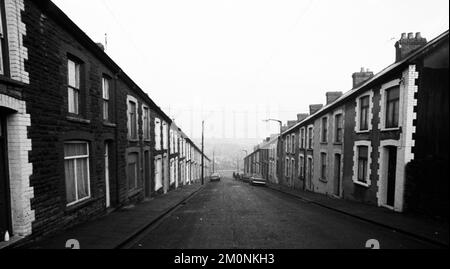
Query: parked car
[
  {"x": 215, "y": 177},
  {"x": 246, "y": 178},
  {"x": 257, "y": 180}
]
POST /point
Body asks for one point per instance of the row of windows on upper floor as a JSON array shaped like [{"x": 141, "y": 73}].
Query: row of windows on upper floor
[
  {"x": 76, "y": 91},
  {"x": 391, "y": 114}
]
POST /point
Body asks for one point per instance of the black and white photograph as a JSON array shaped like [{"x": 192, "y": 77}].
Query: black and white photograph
[{"x": 244, "y": 127}]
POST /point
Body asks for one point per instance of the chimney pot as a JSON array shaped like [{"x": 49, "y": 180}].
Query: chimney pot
[
  {"x": 361, "y": 77},
  {"x": 291, "y": 123},
  {"x": 314, "y": 108},
  {"x": 403, "y": 36},
  {"x": 101, "y": 46},
  {"x": 333, "y": 96},
  {"x": 301, "y": 117},
  {"x": 404, "y": 47}
]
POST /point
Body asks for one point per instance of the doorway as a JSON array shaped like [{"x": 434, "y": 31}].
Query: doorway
[
  {"x": 337, "y": 175},
  {"x": 309, "y": 173},
  {"x": 147, "y": 174},
  {"x": 107, "y": 176},
  {"x": 391, "y": 175},
  {"x": 5, "y": 205}
]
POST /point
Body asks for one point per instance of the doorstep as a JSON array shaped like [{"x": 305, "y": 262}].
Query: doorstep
[{"x": 12, "y": 241}]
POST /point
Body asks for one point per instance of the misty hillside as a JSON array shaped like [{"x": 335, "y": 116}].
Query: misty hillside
[{"x": 227, "y": 152}]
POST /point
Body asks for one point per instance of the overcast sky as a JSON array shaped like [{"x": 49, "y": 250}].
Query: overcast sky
[{"x": 235, "y": 63}]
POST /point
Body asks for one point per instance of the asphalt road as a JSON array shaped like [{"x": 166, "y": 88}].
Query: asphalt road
[{"x": 234, "y": 215}]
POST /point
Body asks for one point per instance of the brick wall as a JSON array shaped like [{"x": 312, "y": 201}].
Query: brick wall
[{"x": 48, "y": 45}]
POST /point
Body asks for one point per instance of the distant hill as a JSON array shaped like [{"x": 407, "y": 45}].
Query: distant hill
[{"x": 227, "y": 152}]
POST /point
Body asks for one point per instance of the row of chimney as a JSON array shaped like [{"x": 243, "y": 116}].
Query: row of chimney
[
  {"x": 313, "y": 109},
  {"x": 407, "y": 44}
]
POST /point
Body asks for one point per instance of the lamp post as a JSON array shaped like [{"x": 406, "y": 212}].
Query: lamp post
[
  {"x": 278, "y": 146},
  {"x": 279, "y": 121}
]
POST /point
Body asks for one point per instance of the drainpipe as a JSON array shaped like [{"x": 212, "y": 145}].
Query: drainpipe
[{"x": 116, "y": 136}]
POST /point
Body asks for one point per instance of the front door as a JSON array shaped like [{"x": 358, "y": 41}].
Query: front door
[
  {"x": 392, "y": 167},
  {"x": 309, "y": 173},
  {"x": 158, "y": 174},
  {"x": 337, "y": 175},
  {"x": 107, "y": 182},
  {"x": 147, "y": 176},
  {"x": 5, "y": 217}
]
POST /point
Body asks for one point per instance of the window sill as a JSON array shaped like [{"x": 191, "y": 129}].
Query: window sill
[
  {"x": 390, "y": 129},
  {"x": 133, "y": 140},
  {"x": 338, "y": 143},
  {"x": 79, "y": 204},
  {"x": 12, "y": 82},
  {"x": 78, "y": 120},
  {"x": 361, "y": 183},
  {"x": 363, "y": 132},
  {"x": 323, "y": 180},
  {"x": 12, "y": 241},
  {"x": 109, "y": 124},
  {"x": 134, "y": 192},
  {"x": 324, "y": 143},
  {"x": 387, "y": 207}
]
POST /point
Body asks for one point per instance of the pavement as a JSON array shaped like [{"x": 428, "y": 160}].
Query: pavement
[
  {"x": 114, "y": 229},
  {"x": 233, "y": 215},
  {"x": 419, "y": 226}
]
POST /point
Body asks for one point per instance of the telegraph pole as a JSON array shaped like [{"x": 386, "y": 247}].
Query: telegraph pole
[{"x": 203, "y": 154}]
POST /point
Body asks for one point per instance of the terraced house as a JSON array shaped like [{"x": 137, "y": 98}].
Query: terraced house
[
  {"x": 385, "y": 141},
  {"x": 77, "y": 136}
]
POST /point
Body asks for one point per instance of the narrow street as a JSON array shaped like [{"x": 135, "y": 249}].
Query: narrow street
[{"x": 233, "y": 214}]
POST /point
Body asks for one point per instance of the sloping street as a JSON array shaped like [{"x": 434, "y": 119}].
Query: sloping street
[{"x": 233, "y": 214}]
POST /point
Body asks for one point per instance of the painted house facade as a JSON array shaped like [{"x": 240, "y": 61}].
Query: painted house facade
[
  {"x": 77, "y": 136},
  {"x": 328, "y": 153},
  {"x": 251, "y": 163}
]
